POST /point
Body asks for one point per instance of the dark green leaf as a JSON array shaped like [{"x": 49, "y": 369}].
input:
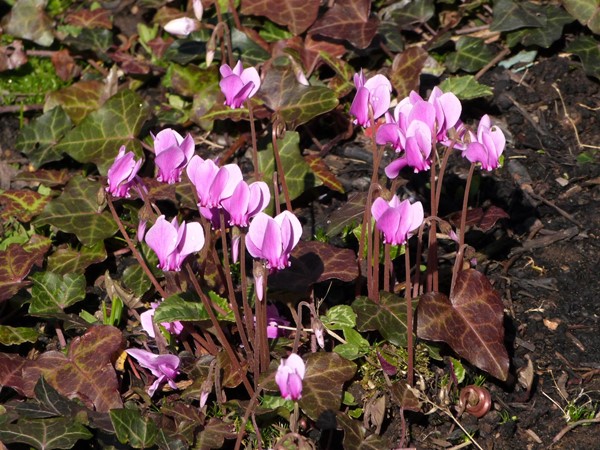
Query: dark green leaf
[
  {"x": 586, "y": 11},
  {"x": 587, "y": 49},
  {"x": 510, "y": 15},
  {"x": 133, "y": 429},
  {"x": 544, "y": 36},
  {"x": 465, "y": 87},
  {"x": 407, "y": 14},
  {"x": 214, "y": 434},
  {"x": 355, "y": 436},
  {"x": 68, "y": 260},
  {"x": 471, "y": 55},
  {"x": 52, "y": 292},
  {"x": 176, "y": 308},
  {"x": 349, "y": 213},
  {"x": 45, "y": 434},
  {"x": 78, "y": 100},
  {"x": 339, "y": 317}
]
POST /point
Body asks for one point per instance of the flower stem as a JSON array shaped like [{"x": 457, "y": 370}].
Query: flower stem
[
  {"x": 463, "y": 223},
  {"x": 409, "y": 318},
  {"x": 387, "y": 268},
  {"x": 257, "y": 173},
  {"x": 279, "y": 131}
]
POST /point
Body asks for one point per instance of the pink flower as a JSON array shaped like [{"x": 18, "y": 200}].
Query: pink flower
[
  {"x": 163, "y": 367},
  {"x": 289, "y": 376},
  {"x": 397, "y": 220},
  {"x": 147, "y": 322},
  {"x": 182, "y": 26},
  {"x": 373, "y": 93},
  {"x": 238, "y": 84},
  {"x": 213, "y": 183},
  {"x": 246, "y": 201},
  {"x": 172, "y": 242},
  {"x": 487, "y": 146},
  {"x": 273, "y": 239},
  {"x": 173, "y": 152},
  {"x": 273, "y": 322},
  {"x": 447, "y": 112},
  {"x": 122, "y": 175}
]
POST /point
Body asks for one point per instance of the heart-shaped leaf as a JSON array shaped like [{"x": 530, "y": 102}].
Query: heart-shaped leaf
[
  {"x": 405, "y": 15},
  {"x": 388, "y": 316},
  {"x": 177, "y": 308},
  {"x": 85, "y": 372},
  {"x": 325, "y": 376},
  {"x": 214, "y": 434},
  {"x": 76, "y": 211},
  {"x": 17, "y": 335},
  {"x": 470, "y": 321},
  {"x": 471, "y": 55},
  {"x": 28, "y": 20},
  {"x": 77, "y": 100},
  {"x": 350, "y": 20},
  {"x": 588, "y": 50},
  {"x": 68, "y": 260},
  {"x": 133, "y": 429},
  {"x": 38, "y": 140},
  {"x": 86, "y": 18},
  {"x": 556, "y": 19},
  {"x": 22, "y": 204},
  {"x": 297, "y": 15},
  {"x": 99, "y": 136},
  {"x": 52, "y": 292},
  {"x": 295, "y": 102},
  {"x": 406, "y": 70},
  {"x": 510, "y": 15},
  {"x": 45, "y": 434}
]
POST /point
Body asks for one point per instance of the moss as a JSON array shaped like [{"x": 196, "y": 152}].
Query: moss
[{"x": 30, "y": 83}]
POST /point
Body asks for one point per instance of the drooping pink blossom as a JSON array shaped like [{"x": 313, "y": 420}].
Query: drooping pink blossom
[
  {"x": 273, "y": 239},
  {"x": 397, "y": 220},
  {"x": 373, "y": 94},
  {"x": 163, "y": 367},
  {"x": 213, "y": 183},
  {"x": 487, "y": 147},
  {"x": 173, "y": 152},
  {"x": 182, "y": 26},
  {"x": 172, "y": 242},
  {"x": 122, "y": 175},
  {"x": 273, "y": 322},
  {"x": 289, "y": 376},
  {"x": 238, "y": 84},
  {"x": 147, "y": 322},
  {"x": 246, "y": 201}
]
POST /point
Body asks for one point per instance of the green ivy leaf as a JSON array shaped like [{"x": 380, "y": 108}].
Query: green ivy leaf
[
  {"x": 52, "y": 292},
  {"x": 78, "y": 100},
  {"x": 99, "y": 136},
  {"x": 510, "y": 15},
  {"x": 68, "y": 260},
  {"x": 177, "y": 308},
  {"x": 556, "y": 19},
  {"x": 17, "y": 335},
  {"x": 339, "y": 317},
  {"x": 406, "y": 70},
  {"x": 44, "y": 434},
  {"x": 471, "y": 55},
  {"x": 28, "y": 20},
  {"x": 465, "y": 87},
  {"x": 355, "y": 346},
  {"x": 588, "y": 50},
  {"x": 585, "y": 11},
  {"x": 76, "y": 211},
  {"x": 325, "y": 376},
  {"x": 133, "y": 429},
  {"x": 407, "y": 14},
  {"x": 38, "y": 139}
]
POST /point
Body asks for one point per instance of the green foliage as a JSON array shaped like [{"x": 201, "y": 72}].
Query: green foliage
[{"x": 29, "y": 83}]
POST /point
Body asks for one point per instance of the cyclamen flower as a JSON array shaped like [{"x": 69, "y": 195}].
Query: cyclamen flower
[
  {"x": 172, "y": 242},
  {"x": 213, "y": 183},
  {"x": 487, "y": 146},
  {"x": 147, "y": 322},
  {"x": 238, "y": 84},
  {"x": 397, "y": 220},
  {"x": 163, "y": 367},
  {"x": 273, "y": 322},
  {"x": 273, "y": 239},
  {"x": 246, "y": 201},
  {"x": 173, "y": 152},
  {"x": 122, "y": 175},
  {"x": 184, "y": 26},
  {"x": 289, "y": 376},
  {"x": 373, "y": 93}
]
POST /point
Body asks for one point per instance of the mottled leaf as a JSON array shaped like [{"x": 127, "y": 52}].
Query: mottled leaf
[
  {"x": 355, "y": 435},
  {"x": 52, "y": 292},
  {"x": 69, "y": 260},
  {"x": 511, "y": 15},
  {"x": 77, "y": 100},
  {"x": 342, "y": 84},
  {"x": 588, "y": 50},
  {"x": 87, "y": 18},
  {"x": 38, "y": 140},
  {"x": 339, "y": 317},
  {"x": 585, "y": 11},
  {"x": 99, "y": 136},
  {"x": 45, "y": 434},
  {"x": 314, "y": 262},
  {"x": 177, "y": 308},
  {"x": 298, "y": 176},
  {"x": 406, "y": 396},
  {"x": 406, "y": 70},
  {"x": 85, "y": 372},
  {"x": 388, "y": 316},
  {"x": 407, "y": 14},
  {"x": 471, "y": 55},
  {"x": 16, "y": 262},
  {"x": 76, "y": 211},
  {"x": 28, "y": 20},
  {"x": 349, "y": 213},
  {"x": 350, "y": 20},
  {"x": 17, "y": 335},
  {"x": 50, "y": 178},
  {"x": 556, "y": 19},
  {"x": 135, "y": 279},
  {"x": 315, "y": 49},
  {"x": 96, "y": 39},
  {"x": 297, "y": 15},
  {"x": 22, "y": 204},
  {"x": 190, "y": 80},
  {"x": 325, "y": 376},
  {"x": 295, "y": 102},
  {"x": 133, "y": 429},
  {"x": 470, "y": 321},
  {"x": 321, "y": 170},
  {"x": 214, "y": 434},
  {"x": 465, "y": 87},
  {"x": 480, "y": 218}
]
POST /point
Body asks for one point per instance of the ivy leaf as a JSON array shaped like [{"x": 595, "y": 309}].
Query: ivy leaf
[
  {"x": 177, "y": 308},
  {"x": 350, "y": 20},
  {"x": 99, "y": 136},
  {"x": 388, "y": 316},
  {"x": 17, "y": 335},
  {"x": 28, "y": 20},
  {"x": 321, "y": 170},
  {"x": 465, "y": 87},
  {"x": 133, "y": 429},
  {"x": 406, "y": 70},
  {"x": 214, "y": 434},
  {"x": 50, "y": 178},
  {"x": 85, "y": 372},
  {"x": 323, "y": 383},
  {"x": 471, "y": 55},
  {"x": 38, "y": 140},
  {"x": 295, "y": 102},
  {"x": 77, "y": 100},
  {"x": 510, "y": 15},
  {"x": 68, "y": 260},
  {"x": 585, "y": 11},
  {"x": 355, "y": 435},
  {"x": 407, "y": 14},
  {"x": 76, "y": 211},
  {"x": 339, "y": 317},
  {"x": 52, "y": 292},
  {"x": 470, "y": 321},
  {"x": 556, "y": 19},
  {"x": 45, "y": 434},
  {"x": 588, "y": 50},
  {"x": 297, "y": 15},
  {"x": 22, "y": 204}
]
